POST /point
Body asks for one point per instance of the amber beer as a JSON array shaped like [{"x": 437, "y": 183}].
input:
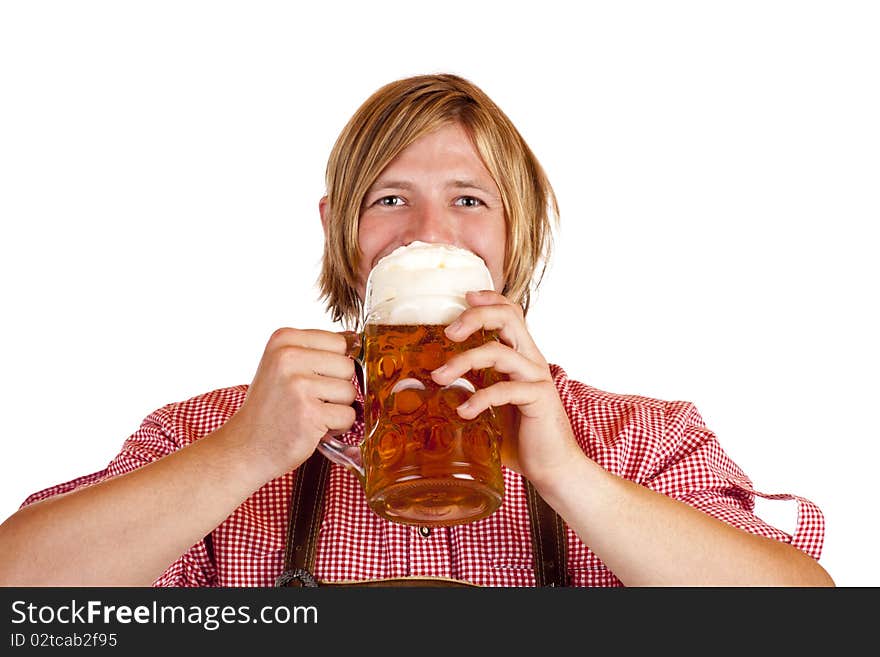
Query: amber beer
[{"x": 425, "y": 464}]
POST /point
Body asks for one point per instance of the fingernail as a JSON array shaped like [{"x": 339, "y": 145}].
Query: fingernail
[
  {"x": 439, "y": 371},
  {"x": 464, "y": 408},
  {"x": 453, "y": 328}
]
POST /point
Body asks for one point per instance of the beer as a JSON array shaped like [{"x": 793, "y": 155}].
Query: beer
[{"x": 424, "y": 464}]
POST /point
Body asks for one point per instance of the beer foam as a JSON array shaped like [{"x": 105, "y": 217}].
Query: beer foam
[{"x": 423, "y": 283}]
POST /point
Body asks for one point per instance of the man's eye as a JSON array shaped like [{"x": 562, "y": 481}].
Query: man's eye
[
  {"x": 468, "y": 201},
  {"x": 390, "y": 201}
]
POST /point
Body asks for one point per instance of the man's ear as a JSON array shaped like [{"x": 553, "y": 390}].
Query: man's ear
[{"x": 322, "y": 208}]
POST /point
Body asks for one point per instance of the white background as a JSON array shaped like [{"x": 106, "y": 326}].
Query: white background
[{"x": 716, "y": 166}]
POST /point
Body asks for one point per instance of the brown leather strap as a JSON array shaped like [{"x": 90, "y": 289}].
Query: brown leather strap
[
  {"x": 548, "y": 540},
  {"x": 306, "y": 508}
]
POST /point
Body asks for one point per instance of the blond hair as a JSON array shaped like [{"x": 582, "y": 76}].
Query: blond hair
[{"x": 391, "y": 119}]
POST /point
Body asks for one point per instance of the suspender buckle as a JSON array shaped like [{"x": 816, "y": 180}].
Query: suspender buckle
[{"x": 296, "y": 578}]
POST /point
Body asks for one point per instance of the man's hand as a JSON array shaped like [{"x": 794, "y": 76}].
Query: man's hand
[
  {"x": 302, "y": 390},
  {"x": 544, "y": 441}
]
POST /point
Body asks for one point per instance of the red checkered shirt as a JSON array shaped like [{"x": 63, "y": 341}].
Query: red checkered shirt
[{"x": 663, "y": 445}]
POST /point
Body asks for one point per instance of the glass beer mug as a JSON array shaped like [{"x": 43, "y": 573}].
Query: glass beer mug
[{"x": 419, "y": 461}]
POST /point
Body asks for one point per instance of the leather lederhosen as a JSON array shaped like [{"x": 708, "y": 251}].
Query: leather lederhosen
[{"x": 306, "y": 507}]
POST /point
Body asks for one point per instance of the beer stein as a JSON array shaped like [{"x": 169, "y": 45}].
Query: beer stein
[{"x": 419, "y": 461}]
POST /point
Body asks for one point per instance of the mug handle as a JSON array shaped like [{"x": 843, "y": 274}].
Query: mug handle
[
  {"x": 343, "y": 454},
  {"x": 334, "y": 449}
]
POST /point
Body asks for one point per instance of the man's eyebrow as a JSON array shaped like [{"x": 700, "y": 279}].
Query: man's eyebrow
[
  {"x": 390, "y": 184},
  {"x": 471, "y": 184},
  {"x": 457, "y": 183}
]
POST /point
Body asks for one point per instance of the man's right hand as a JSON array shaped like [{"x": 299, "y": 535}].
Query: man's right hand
[{"x": 302, "y": 390}]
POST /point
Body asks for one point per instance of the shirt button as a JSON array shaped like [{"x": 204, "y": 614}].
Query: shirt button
[{"x": 425, "y": 531}]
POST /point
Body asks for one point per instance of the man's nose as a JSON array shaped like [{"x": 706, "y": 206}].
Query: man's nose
[{"x": 432, "y": 223}]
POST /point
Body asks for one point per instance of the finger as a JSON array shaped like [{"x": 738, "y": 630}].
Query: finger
[
  {"x": 499, "y": 357},
  {"x": 337, "y": 343},
  {"x": 527, "y": 396},
  {"x": 487, "y": 298},
  {"x": 505, "y": 318},
  {"x": 302, "y": 360},
  {"x": 338, "y": 418},
  {"x": 332, "y": 391}
]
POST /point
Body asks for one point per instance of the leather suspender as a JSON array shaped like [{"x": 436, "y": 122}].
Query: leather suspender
[
  {"x": 306, "y": 507},
  {"x": 306, "y": 510},
  {"x": 548, "y": 540}
]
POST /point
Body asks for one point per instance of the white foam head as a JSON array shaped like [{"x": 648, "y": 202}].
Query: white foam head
[{"x": 423, "y": 283}]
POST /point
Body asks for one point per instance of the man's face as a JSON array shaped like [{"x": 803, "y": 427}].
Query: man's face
[{"x": 436, "y": 190}]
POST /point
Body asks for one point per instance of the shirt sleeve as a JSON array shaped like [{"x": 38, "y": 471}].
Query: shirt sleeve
[
  {"x": 698, "y": 472},
  {"x": 155, "y": 438}
]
